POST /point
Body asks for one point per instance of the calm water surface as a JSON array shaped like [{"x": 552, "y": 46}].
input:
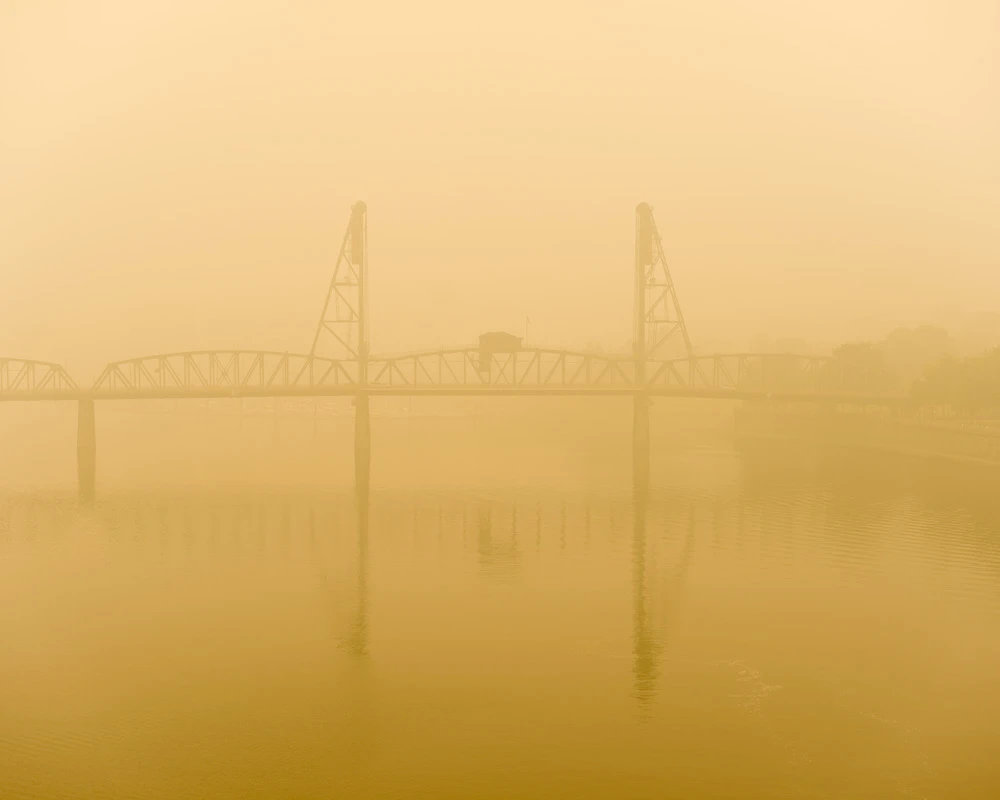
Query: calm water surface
[{"x": 753, "y": 625}]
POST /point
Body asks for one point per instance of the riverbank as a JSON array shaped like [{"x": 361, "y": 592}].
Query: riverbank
[{"x": 952, "y": 441}]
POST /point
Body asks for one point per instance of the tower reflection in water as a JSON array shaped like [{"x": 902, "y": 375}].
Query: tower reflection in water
[
  {"x": 646, "y": 639},
  {"x": 356, "y": 641},
  {"x": 645, "y": 644},
  {"x": 656, "y": 593}
]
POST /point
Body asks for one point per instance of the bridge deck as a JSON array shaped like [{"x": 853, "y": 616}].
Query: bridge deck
[
  {"x": 458, "y": 391},
  {"x": 528, "y": 371}
]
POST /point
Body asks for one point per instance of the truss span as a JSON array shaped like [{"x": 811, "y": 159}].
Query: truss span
[
  {"x": 537, "y": 370},
  {"x": 541, "y": 370},
  {"x": 749, "y": 373},
  {"x": 525, "y": 368},
  {"x": 223, "y": 373},
  {"x": 460, "y": 370},
  {"x": 24, "y": 379}
]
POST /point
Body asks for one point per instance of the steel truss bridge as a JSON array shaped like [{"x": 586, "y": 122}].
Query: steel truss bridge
[
  {"x": 459, "y": 371},
  {"x": 529, "y": 370},
  {"x": 22, "y": 379},
  {"x": 339, "y": 362}
]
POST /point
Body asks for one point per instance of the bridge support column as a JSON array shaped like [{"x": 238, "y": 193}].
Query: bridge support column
[
  {"x": 640, "y": 438},
  {"x": 362, "y": 443},
  {"x": 86, "y": 449}
]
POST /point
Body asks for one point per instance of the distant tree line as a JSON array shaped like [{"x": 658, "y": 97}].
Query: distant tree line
[
  {"x": 893, "y": 364},
  {"x": 922, "y": 362},
  {"x": 968, "y": 385}
]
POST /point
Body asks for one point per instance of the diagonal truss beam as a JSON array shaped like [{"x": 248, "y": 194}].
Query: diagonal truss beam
[
  {"x": 22, "y": 378},
  {"x": 341, "y": 331}
]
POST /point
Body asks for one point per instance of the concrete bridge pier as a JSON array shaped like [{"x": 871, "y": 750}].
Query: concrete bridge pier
[
  {"x": 362, "y": 443},
  {"x": 86, "y": 449},
  {"x": 640, "y": 438}
]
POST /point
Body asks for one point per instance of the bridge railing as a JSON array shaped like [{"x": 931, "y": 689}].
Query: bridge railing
[
  {"x": 223, "y": 372},
  {"x": 22, "y": 378}
]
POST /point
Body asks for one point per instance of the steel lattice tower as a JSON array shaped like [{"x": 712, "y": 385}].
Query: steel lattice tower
[
  {"x": 657, "y": 317},
  {"x": 342, "y": 331}
]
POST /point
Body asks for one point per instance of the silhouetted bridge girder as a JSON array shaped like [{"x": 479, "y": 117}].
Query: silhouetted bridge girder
[
  {"x": 453, "y": 371},
  {"x": 450, "y": 371},
  {"x": 24, "y": 379},
  {"x": 537, "y": 370},
  {"x": 225, "y": 373}
]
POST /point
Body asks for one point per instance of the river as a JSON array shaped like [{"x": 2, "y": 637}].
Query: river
[{"x": 754, "y": 623}]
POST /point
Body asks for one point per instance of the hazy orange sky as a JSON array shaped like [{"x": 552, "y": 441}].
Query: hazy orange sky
[{"x": 178, "y": 174}]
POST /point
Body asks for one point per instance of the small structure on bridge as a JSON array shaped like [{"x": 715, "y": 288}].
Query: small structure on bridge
[{"x": 496, "y": 342}]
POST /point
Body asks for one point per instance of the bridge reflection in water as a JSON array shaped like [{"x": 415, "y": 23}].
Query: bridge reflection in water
[
  {"x": 711, "y": 628},
  {"x": 333, "y": 533}
]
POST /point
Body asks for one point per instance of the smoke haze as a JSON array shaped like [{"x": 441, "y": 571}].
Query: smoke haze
[{"x": 178, "y": 175}]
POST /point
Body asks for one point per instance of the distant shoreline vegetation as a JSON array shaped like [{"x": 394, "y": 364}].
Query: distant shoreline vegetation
[
  {"x": 923, "y": 362},
  {"x": 971, "y": 385}
]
